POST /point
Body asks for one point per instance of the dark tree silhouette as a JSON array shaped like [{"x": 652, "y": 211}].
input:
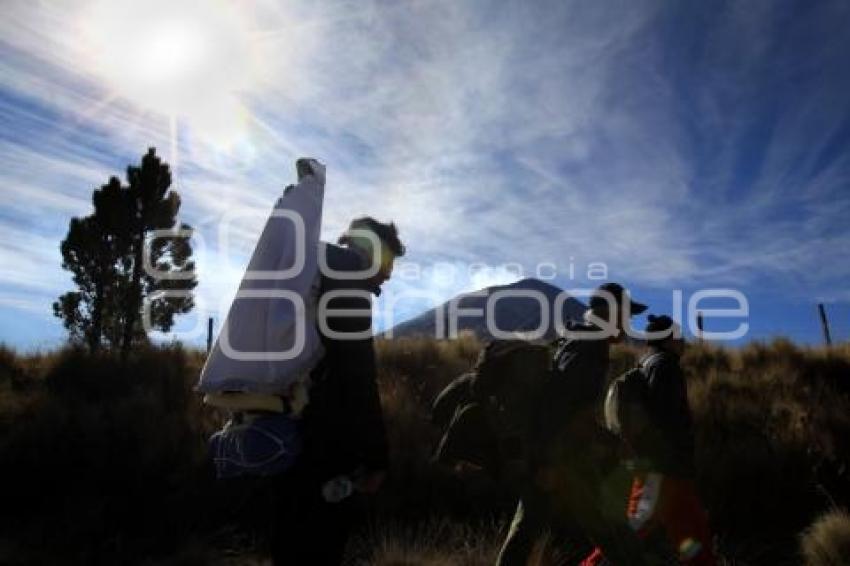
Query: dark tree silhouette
[
  {"x": 89, "y": 253},
  {"x": 107, "y": 253},
  {"x": 153, "y": 207}
]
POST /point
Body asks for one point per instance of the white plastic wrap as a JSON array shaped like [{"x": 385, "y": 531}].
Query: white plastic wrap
[{"x": 269, "y": 338}]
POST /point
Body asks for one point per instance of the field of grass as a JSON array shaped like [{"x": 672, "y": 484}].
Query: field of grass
[{"x": 104, "y": 462}]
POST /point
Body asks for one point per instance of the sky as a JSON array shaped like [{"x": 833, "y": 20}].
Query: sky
[{"x": 684, "y": 145}]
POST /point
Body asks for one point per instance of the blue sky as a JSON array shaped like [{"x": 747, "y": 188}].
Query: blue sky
[{"x": 686, "y": 145}]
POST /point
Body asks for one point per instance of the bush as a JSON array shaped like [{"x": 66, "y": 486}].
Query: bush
[
  {"x": 108, "y": 460},
  {"x": 10, "y": 367}
]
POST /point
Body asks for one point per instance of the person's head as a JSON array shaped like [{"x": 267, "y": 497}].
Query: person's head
[
  {"x": 670, "y": 337},
  {"x": 385, "y": 235},
  {"x": 612, "y": 303}
]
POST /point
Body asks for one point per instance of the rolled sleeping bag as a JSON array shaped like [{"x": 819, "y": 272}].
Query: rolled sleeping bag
[{"x": 269, "y": 339}]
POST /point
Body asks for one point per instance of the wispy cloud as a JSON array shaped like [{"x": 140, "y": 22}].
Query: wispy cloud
[{"x": 676, "y": 144}]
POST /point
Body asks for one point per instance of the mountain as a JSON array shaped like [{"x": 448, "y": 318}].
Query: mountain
[{"x": 512, "y": 311}]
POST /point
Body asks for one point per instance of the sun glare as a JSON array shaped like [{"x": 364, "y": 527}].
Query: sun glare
[
  {"x": 173, "y": 50},
  {"x": 186, "y": 59}
]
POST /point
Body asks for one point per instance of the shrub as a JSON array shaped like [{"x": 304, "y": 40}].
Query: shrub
[
  {"x": 108, "y": 459},
  {"x": 10, "y": 367}
]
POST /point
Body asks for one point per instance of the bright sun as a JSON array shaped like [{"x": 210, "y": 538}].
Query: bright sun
[
  {"x": 189, "y": 59},
  {"x": 173, "y": 50}
]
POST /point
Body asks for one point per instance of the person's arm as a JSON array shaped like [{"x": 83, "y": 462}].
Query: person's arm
[
  {"x": 367, "y": 432},
  {"x": 658, "y": 392},
  {"x": 358, "y": 368},
  {"x": 666, "y": 393},
  {"x": 681, "y": 425},
  {"x": 369, "y": 429},
  {"x": 671, "y": 415}
]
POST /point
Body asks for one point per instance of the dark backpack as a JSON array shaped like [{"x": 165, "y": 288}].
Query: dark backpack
[
  {"x": 625, "y": 408},
  {"x": 492, "y": 406}
]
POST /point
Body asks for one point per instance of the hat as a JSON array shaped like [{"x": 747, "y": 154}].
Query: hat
[
  {"x": 663, "y": 323},
  {"x": 659, "y": 323},
  {"x": 599, "y": 301}
]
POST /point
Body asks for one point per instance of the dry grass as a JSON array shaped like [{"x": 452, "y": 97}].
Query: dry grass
[
  {"x": 108, "y": 459},
  {"x": 827, "y": 541},
  {"x": 773, "y": 425},
  {"x": 431, "y": 542}
]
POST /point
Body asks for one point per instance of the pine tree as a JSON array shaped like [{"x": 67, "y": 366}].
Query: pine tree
[
  {"x": 153, "y": 207},
  {"x": 90, "y": 254},
  {"x": 106, "y": 253}
]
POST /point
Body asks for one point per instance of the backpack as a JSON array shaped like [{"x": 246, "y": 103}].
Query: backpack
[
  {"x": 255, "y": 445},
  {"x": 492, "y": 406},
  {"x": 625, "y": 408}
]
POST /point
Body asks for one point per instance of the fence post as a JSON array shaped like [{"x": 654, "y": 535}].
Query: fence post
[
  {"x": 825, "y": 324},
  {"x": 699, "y": 326},
  {"x": 209, "y": 334}
]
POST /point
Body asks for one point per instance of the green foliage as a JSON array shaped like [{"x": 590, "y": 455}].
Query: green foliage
[{"x": 107, "y": 253}]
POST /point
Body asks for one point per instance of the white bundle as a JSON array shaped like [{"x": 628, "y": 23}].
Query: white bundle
[{"x": 269, "y": 339}]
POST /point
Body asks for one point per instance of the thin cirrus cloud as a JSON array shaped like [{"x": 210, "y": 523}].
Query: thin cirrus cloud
[{"x": 679, "y": 144}]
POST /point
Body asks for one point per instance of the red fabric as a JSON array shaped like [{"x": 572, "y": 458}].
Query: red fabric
[{"x": 670, "y": 504}]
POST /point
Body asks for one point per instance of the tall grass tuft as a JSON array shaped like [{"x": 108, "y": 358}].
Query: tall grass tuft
[{"x": 827, "y": 541}]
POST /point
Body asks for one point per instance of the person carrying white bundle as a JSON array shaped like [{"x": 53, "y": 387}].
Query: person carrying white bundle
[
  {"x": 344, "y": 453},
  {"x": 260, "y": 365},
  {"x": 313, "y": 421}
]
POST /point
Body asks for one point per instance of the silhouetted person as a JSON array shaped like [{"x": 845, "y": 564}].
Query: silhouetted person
[
  {"x": 342, "y": 426},
  {"x": 664, "y": 504},
  {"x": 561, "y": 493}
]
